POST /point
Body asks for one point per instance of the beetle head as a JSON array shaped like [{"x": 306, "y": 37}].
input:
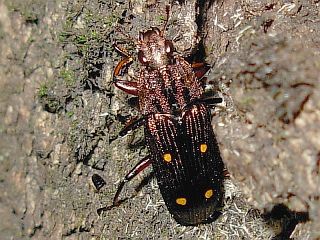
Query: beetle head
[{"x": 153, "y": 49}]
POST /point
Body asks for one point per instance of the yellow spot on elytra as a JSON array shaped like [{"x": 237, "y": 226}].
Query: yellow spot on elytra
[
  {"x": 208, "y": 193},
  {"x": 167, "y": 157},
  {"x": 203, "y": 147},
  {"x": 181, "y": 201}
]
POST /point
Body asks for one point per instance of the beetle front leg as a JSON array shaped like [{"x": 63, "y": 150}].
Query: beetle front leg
[
  {"x": 143, "y": 164},
  {"x": 126, "y": 86}
]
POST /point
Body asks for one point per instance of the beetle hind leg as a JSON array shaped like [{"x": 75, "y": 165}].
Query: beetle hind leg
[{"x": 139, "y": 167}]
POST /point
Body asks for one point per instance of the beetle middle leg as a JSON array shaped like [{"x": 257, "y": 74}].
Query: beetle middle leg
[
  {"x": 211, "y": 100},
  {"x": 207, "y": 100},
  {"x": 136, "y": 123}
]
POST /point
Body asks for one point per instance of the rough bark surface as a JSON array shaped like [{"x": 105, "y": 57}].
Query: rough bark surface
[{"x": 60, "y": 116}]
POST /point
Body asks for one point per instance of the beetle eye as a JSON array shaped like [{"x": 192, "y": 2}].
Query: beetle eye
[
  {"x": 142, "y": 58},
  {"x": 169, "y": 47}
]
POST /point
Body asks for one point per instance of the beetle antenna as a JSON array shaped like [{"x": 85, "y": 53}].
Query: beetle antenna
[
  {"x": 167, "y": 19},
  {"x": 131, "y": 39}
]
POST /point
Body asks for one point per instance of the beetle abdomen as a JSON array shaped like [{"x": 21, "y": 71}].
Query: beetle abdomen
[{"x": 187, "y": 163}]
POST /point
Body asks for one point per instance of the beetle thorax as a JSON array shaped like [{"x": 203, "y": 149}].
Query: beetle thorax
[{"x": 155, "y": 54}]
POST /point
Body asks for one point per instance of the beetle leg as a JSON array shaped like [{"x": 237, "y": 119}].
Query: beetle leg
[
  {"x": 200, "y": 69},
  {"x": 132, "y": 126},
  {"x": 211, "y": 100},
  {"x": 226, "y": 173},
  {"x": 126, "y": 86},
  {"x": 144, "y": 163},
  {"x": 207, "y": 100}
]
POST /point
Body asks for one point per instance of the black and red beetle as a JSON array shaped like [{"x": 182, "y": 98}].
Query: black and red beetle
[{"x": 177, "y": 121}]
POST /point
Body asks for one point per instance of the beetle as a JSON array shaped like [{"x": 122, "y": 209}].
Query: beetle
[{"x": 176, "y": 118}]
